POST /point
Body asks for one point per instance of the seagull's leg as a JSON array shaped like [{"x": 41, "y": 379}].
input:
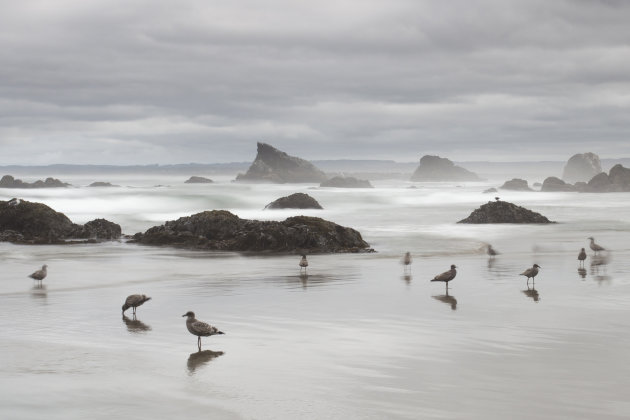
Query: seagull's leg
[{"x": 199, "y": 342}]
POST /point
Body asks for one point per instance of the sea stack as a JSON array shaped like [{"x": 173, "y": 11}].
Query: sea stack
[
  {"x": 581, "y": 167},
  {"x": 504, "y": 212},
  {"x": 435, "y": 168},
  {"x": 273, "y": 165}
]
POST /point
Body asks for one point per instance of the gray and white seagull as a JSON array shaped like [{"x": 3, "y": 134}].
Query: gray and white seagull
[
  {"x": 133, "y": 301},
  {"x": 199, "y": 328}
]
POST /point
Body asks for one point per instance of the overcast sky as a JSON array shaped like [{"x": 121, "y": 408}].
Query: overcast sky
[{"x": 139, "y": 82}]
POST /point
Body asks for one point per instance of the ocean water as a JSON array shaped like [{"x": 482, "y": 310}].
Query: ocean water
[{"x": 355, "y": 338}]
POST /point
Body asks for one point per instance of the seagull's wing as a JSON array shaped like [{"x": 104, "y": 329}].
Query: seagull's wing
[
  {"x": 133, "y": 299},
  {"x": 204, "y": 328}
]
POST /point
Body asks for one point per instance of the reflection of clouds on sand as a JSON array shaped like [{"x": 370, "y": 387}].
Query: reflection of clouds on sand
[
  {"x": 448, "y": 299},
  {"x": 532, "y": 293},
  {"x": 134, "y": 325},
  {"x": 200, "y": 358}
]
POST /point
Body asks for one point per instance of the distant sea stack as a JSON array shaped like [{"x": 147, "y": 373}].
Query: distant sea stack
[
  {"x": 435, "y": 168},
  {"x": 516, "y": 184},
  {"x": 273, "y": 165},
  {"x": 221, "y": 230},
  {"x": 346, "y": 182},
  {"x": 198, "y": 180},
  {"x": 26, "y": 222},
  {"x": 102, "y": 184},
  {"x": 8, "y": 181},
  {"x": 295, "y": 201},
  {"x": 617, "y": 180},
  {"x": 553, "y": 184},
  {"x": 581, "y": 167},
  {"x": 504, "y": 212}
]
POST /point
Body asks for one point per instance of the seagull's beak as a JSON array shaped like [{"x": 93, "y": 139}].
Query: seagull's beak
[{"x": 183, "y": 315}]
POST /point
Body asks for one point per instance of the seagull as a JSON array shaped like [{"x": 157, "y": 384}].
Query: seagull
[
  {"x": 303, "y": 263},
  {"x": 596, "y": 247},
  {"x": 198, "y": 328},
  {"x": 133, "y": 301},
  {"x": 446, "y": 276},
  {"x": 582, "y": 256},
  {"x": 531, "y": 272},
  {"x": 497, "y": 198},
  {"x": 39, "y": 274},
  {"x": 491, "y": 251},
  {"x": 407, "y": 260}
]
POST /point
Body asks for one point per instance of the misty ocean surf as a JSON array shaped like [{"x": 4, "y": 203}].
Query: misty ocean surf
[{"x": 356, "y": 337}]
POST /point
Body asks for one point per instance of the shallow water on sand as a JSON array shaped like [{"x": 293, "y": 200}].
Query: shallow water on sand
[{"x": 355, "y": 338}]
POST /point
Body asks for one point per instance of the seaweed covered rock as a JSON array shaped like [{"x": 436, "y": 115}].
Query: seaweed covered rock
[
  {"x": 98, "y": 229},
  {"x": 435, "y": 168},
  {"x": 198, "y": 180},
  {"x": 223, "y": 231},
  {"x": 553, "y": 184},
  {"x": 273, "y": 165},
  {"x": 295, "y": 201},
  {"x": 8, "y": 181},
  {"x": 504, "y": 212},
  {"x": 516, "y": 184},
  {"x": 35, "y": 223},
  {"x": 346, "y": 182}
]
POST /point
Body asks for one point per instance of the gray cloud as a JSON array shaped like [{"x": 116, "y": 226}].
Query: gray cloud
[{"x": 158, "y": 82}]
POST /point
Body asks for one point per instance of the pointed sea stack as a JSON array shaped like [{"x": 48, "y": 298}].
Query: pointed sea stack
[
  {"x": 435, "y": 168},
  {"x": 273, "y": 165},
  {"x": 504, "y": 212}
]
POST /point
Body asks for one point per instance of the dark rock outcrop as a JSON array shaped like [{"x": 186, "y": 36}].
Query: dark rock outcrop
[
  {"x": 198, "y": 180},
  {"x": 295, "y": 201},
  {"x": 8, "y": 181},
  {"x": 273, "y": 165},
  {"x": 490, "y": 191},
  {"x": 36, "y": 223},
  {"x": 346, "y": 182},
  {"x": 516, "y": 184},
  {"x": 553, "y": 184},
  {"x": 617, "y": 180},
  {"x": 504, "y": 212},
  {"x": 435, "y": 168},
  {"x": 98, "y": 229},
  {"x": 581, "y": 167},
  {"x": 102, "y": 184},
  {"x": 223, "y": 231}
]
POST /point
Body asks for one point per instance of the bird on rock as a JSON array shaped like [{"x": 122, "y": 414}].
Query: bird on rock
[
  {"x": 531, "y": 272},
  {"x": 446, "y": 276},
  {"x": 199, "y": 328},
  {"x": 133, "y": 301}
]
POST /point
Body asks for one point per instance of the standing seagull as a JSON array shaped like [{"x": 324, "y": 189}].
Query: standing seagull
[
  {"x": 133, "y": 301},
  {"x": 596, "y": 247},
  {"x": 491, "y": 251},
  {"x": 200, "y": 329},
  {"x": 303, "y": 263},
  {"x": 582, "y": 257},
  {"x": 39, "y": 274},
  {"x": 407, "y": 260},
  {"x": 446, "y": 276},
  {"x": 531, "y": 273}
]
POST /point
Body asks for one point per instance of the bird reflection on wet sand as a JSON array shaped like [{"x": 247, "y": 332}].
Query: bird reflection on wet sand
[
  {"x": 532, "y": 293},
  {"x": 448, "y": 299},
  {"x": 134, "y": 325},
  {"x": 599, "y": 263},
  {"x": 39, "y": 291},
  {"x": 407, "y": 278},
  {"x": 582, "y": 272},
  {"x": 200, "y": 358}
]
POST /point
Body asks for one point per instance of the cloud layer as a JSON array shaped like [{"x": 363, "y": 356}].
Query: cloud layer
[{"x": 123, "y": 82}]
